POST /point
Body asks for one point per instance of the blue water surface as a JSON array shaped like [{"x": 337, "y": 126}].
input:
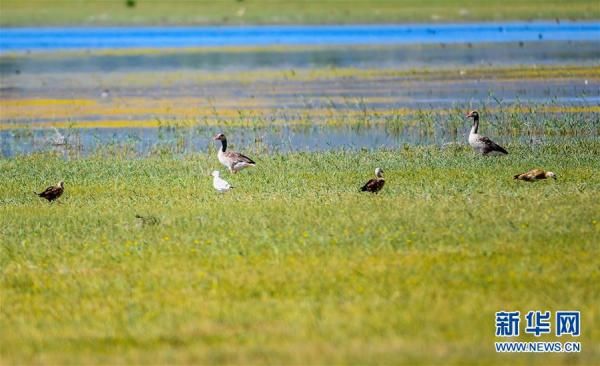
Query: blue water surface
[{"x": 57, "y": 38}]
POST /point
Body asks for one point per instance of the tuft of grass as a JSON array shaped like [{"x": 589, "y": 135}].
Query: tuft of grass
[{"x": 295, "y": 265}]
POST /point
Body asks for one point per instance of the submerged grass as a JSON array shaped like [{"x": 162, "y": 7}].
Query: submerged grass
[{"x": 295, "y": 265}]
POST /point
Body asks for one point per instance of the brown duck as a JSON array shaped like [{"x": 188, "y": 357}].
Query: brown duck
[
  {"x": 535, "y": 175},
  {"x": 376, "y": 184},
  {"x": 53, "y": 192}
]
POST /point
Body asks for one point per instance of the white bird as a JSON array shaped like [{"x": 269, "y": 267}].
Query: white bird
[
  {"x": 219, "y": 183},
  {"x": 480, "y": 143},
  {"x": 58, "y": 139}
]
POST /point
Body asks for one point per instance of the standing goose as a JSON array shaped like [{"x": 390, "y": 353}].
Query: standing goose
[
  {"x": 374, "y": 185},
  {"x": 53, "y": 192},
  {"x": 534, "y": 175},
  {"x": 219, "y": 183},
  {"x": 234, "y": 161},
  {"x": 482, "y": 144}
]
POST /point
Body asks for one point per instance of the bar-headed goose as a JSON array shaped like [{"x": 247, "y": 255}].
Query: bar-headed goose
[
  {"x": 482, "y": 144},
  {"x": 534, "y": 175},
  {"x": 219, "y": 183},
  {"x": 53, "y": 192},
  {"x": 234, "y": 161},
  {"x": 374, "y": 185}
]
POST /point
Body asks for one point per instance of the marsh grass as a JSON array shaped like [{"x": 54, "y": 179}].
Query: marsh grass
[
  {"x": 295, "y": 265},
  {"x": 533, "y": 123}
]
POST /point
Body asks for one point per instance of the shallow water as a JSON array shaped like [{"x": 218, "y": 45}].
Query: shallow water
[
  {"x": 392, "y": 56},
  {"x": 272, "y": 91},
  {"x": 277, "y": 114},
  {"x": 15, "y": 39},
  {"x": 441, "y": 131},
  {"x": 145, "y": 141}
]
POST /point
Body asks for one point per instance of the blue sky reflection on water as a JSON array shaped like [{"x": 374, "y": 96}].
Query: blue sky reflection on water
[{"x": 56, "y": 38}]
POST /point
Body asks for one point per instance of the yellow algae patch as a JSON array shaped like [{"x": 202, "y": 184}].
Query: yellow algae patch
[
  {"x": 143, "y": 115},
  {"x": 560, "y": 109},
  {"x": 84, "y": 124},
  {"x": 274, "y": 117},
  {"x": 42, "y": 108},
  {"x": 509, "y": 73},
  {"x": 126, "y": 107},
  {"x": 37, "y": 102}
]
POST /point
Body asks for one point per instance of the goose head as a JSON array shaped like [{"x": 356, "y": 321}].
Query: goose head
[
  {"x": 379, "y": 173},
  {"x": 551, "y": 175},
  {"x": 215, "y": 173},
  {"x": 61, "y": 184},
  {"x": 219, "y": 137},
  {"x": 474, "y": 115}
]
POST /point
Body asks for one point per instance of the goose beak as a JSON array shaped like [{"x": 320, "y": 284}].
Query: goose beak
[{"x": 469, "y": 115}]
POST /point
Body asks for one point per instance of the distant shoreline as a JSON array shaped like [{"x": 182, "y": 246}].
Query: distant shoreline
[{"x": 16, "y": 13}]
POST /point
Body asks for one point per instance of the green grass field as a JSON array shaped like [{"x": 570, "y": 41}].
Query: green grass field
[
  {"x": 295, "y": 266},
  {"x": 153, "y": 12}
]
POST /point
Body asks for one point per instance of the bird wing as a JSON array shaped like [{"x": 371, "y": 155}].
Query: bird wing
[
  {"x": 367, "y": 185},
  {"x": 47, "y": 191},
  {"x": 238, "y": 158},
  {"x": 538, "y": 173},
  {"x": 531, "y": 175},
  {"x": 373, "y": 185},
  {"x": 51, "y": 192},
  {"x": 489, "y": 145}
]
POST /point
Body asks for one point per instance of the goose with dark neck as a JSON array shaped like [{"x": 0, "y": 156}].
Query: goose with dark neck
[
  {"x": 234, "y": 161},
  {"x": 482, "y": 144}
]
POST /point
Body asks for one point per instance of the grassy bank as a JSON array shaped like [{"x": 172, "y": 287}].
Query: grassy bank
[
  {"x": 294, "y": 265},
  {"x": 145, "y": 12}
]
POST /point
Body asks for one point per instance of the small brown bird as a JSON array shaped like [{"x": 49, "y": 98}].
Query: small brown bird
[
  {"x": 148, "y": 220},
  {"x": 534, "y": 175},
  {"x": 376, "y": 184},
  {"x": 53, "y": 192}
]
